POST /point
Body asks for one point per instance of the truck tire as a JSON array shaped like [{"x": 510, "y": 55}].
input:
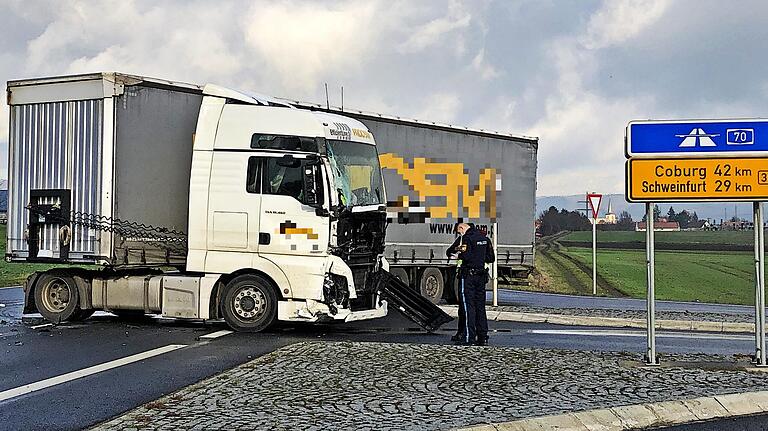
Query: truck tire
[
  {"x": 249, "y": 304},
  {"x": 57, "y": 297},
  {"x": 401, "y": 274},
  {"x": 431, "y": 284},
  {"x": 451, "y": 291}
]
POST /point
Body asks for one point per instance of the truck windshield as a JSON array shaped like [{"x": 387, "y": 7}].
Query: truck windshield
[{"x": 356, "y": 172}]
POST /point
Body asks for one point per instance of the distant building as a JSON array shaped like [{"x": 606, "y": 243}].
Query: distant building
[
  {"x": 659, "y": 226},
  {"x": 610, "y": 217},
  {"x": 700, "y": 225},
  {"x": 737, "y": 225}
]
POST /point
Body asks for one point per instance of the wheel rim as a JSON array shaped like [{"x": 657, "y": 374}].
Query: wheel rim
[
  {"x": 432, "y": 286},
  {"x": 56, "y": 295},
  {"x": 249, "y": 303}
]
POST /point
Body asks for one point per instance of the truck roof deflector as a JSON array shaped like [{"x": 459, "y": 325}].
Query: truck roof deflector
[{"x": 241, "y": 96}]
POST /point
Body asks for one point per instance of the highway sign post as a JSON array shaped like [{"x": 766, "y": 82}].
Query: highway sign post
[
  {"x": 650, "y": 355},
  {"x": 594, "y": 204},
  {"x": 705, "y": 161}
]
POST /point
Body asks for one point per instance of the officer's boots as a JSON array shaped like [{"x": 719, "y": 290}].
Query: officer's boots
[{"x": 481, "y": 341}]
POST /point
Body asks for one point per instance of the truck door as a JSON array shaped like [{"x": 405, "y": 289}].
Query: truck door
[
  {"x": 234, "y": 202},
  {"x": 289, "y": 225}
]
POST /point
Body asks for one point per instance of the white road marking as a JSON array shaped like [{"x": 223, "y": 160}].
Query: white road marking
[
  {"x": 53, "y": 381},
  {"x": 44, "y": 325},
  {"x": 639, "y": 334},
  {"x": 216, "y": 334},
  {"x": 2, "y": 305}
]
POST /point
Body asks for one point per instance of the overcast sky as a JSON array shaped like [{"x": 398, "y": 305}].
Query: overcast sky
[{"x": 572, "y": 73}]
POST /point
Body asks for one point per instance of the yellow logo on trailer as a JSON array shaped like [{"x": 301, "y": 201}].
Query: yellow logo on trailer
[{"x": 456, "y": 186}]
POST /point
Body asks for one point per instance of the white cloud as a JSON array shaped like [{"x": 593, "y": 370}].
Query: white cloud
[
  {"x": 433, "y": 31},
  {"x": 480, "y": 65},
  {"x": 304, "y": 42},
  {"x": 619, "y": 20},
  {"x": 439, "y": 107}
]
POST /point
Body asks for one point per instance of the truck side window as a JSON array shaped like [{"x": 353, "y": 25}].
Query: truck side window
[
  {"x": 283, "y": 180},
  {"x": 253, "y": 180}
]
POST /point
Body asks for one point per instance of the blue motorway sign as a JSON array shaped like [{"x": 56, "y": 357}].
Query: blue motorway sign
[{"x": 717, "y": 138}]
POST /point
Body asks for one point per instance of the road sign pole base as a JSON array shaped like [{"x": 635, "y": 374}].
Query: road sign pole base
[{"x": 649, "y": 363}]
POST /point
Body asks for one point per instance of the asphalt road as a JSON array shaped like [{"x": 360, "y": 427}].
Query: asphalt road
[
  {"x": 551, "y": 300},
  {"x": 30, "y": 355}
]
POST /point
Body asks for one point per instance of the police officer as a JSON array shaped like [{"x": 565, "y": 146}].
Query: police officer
[
  {"x": 474, "y": 250},
  {"x": 453, "y": 252}
]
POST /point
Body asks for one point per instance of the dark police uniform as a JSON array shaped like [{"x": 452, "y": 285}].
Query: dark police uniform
[
  {"x": 460, "y": 330},
  {"x": 477, "y": 251}
]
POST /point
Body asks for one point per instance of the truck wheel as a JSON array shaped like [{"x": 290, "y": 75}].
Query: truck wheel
[
  {"x": 401, "y": 274},
  {"x": 431, "y": 284},
  {"x": 452, "y": 290},
  {"x": 249, "y": 304},
  {"x": 57, "y": 298}
]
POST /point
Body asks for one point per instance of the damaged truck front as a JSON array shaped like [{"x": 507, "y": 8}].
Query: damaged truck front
[{"x": 195, "y": 202}]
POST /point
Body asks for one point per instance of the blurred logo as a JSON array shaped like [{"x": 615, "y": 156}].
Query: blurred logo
[{"x": 442, "y": 181}]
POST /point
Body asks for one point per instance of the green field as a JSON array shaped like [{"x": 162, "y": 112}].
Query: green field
[
  {"x": 683, "y": 237},
  {"x": 680, "y": 276},
  {"x": 682, "y": 273},
  {"x": 12, "y": 274}
]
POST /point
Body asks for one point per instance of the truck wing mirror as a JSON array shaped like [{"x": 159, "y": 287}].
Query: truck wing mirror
[{"x": 313, "y": 187}]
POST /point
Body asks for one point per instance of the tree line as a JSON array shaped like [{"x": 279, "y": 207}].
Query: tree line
[{"x": 553, "y": 220}]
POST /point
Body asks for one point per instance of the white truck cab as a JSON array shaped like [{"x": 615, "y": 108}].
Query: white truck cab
[{"x": 291, "y": 196}]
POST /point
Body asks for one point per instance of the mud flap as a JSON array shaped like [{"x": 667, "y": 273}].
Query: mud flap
[{"x": 409, "y": 302}]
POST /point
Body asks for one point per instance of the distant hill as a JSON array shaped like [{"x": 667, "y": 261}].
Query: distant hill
[{"x": 714, "y": 211}]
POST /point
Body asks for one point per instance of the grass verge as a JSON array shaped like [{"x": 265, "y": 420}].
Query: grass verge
[
  {"x": 13, "y": 274},
  {"x": 682, "y": 238},
  {"x": 680, "y": 276}
]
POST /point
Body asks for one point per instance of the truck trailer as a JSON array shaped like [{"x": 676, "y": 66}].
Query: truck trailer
[
  {"x": 437, "y": 175},
  {"x": 196, "y": 202}
]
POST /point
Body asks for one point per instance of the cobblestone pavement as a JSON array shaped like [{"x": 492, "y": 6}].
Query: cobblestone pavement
[
  {"x": 366, "y": 386},
  {"x": 630, "y": 314}
]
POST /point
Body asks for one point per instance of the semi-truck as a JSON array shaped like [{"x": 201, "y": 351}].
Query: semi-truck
[
  {"x": 438, "y": 174},
  {"x": 196, "y": 202}
]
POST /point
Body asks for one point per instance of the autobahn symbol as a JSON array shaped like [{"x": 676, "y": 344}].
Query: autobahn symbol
[{"x": 698, "y": 138}]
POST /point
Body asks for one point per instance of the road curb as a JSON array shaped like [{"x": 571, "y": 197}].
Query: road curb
[
  {"x": 641, "y": 416},
  {"x": 610, "y": 322}
]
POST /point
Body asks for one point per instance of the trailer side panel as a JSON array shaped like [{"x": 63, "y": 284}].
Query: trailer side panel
[
  {"x": 153, "y": 156},
  {"x": 435, "y": 176}
]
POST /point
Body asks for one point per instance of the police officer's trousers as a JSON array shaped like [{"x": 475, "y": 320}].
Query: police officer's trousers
[{"x": 472, "y": 294}]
